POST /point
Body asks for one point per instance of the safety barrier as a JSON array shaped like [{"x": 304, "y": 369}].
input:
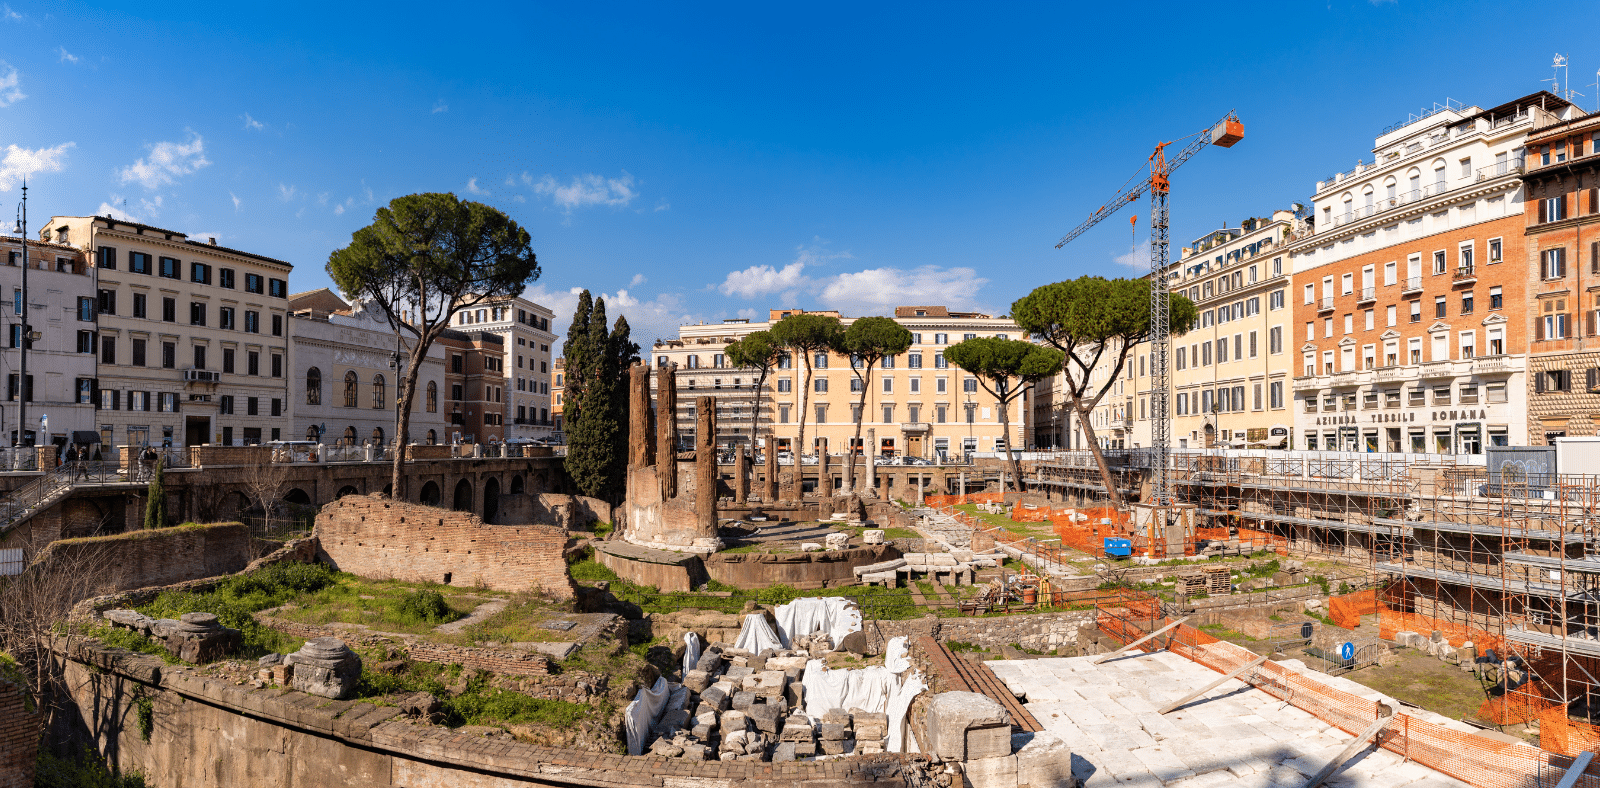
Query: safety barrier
[
  {"x": 1478, "y": 761},
  {"x": 1346, "y": 610}
]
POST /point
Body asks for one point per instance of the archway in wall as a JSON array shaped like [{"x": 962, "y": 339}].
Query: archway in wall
[
  {"x": 463, "y": 499},
  {"x": 346, "y": 490},
  {"x": 388, "y": 490},
  {"x": 491, "y": 499},
  {"x": 298, "y": 497},
  {"x": 429, "y": 494},
  {"x": 518, "y": 486}
]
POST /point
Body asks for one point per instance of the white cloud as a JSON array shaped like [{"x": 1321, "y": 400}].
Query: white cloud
[
  {"x": 663, "y": 206},
  {"x": 66, "y": 57},
  {"x": 285, "y": 193},
  {"x": 587, "y": 190},
  {"x": 638, "y": 279},
  {"x": 10, "y": 93},
  {"x": 110, "y": 209},
  {"x": 519, "y": 198},
  {"x": 252, "y": 123},
  {"x": 235, "y": 198},
  {"x": 878, "y": 290},
  {"x": 322, "y": 199},
  {"x": 865, "y": 292},
  {"x": 338, "y": 210},
  {"x": 647, "y": 320},
  {"x": 19, "y": 163},
  {"x": 205, "y": 237},
  {"x": 368, "y": 190},
  {"x": 440, "y": 106},
  {"x": 1137, "y": 258},
  {"x": 166, "y": 162},
  {"x": 9, "y": 15},
  {"x": 150, "y": 207},
  {"x": 473, "y": 188}
]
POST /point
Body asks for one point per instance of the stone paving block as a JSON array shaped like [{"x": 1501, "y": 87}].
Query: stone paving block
[
  {"x": 991, "y": 772},
  {"x": 1216, "y": 779},
  {"x": 1163, "y": 763},
  {"x": 1158, "y": 726}
]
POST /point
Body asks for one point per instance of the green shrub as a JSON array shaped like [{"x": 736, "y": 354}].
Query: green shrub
[
  {"x": 422, "y": 607},
  {"x": 591, "y": 570},
  {"x": 147, "y": 717},
  {"x": 89, "y": 772}
]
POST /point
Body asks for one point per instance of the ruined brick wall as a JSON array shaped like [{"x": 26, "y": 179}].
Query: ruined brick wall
[
  {"x": 19, "y": 737},
  {"x": 158, "y": 557},
  {"x": 376, "y": 537}
]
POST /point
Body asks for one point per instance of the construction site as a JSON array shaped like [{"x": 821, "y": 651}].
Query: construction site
[{"x": 1503, "y": 566}]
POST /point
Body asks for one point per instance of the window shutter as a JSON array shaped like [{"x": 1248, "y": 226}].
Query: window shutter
[
  {"x": 1564, "y": 212},
  {"x": 1591, "y": 324},
  {"x": 1538, "y": 383},
  {"x": 1543, "y": 211},
  {"x": 1538, "y": 328},
  {"x": 1588, "y": 376},
  {"x": 1594, "y": 257}
]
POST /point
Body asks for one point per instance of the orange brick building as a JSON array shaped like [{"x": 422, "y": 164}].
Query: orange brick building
[
  {"x": 1409, "y": 308},
  {"x": 1562, "y": 263}
]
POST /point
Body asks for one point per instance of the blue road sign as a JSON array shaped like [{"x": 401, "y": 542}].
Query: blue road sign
[{"x": 1347, "y": 650}]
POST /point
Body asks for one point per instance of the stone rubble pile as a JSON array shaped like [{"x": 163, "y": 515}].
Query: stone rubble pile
[{"x": 739, "y": 706}]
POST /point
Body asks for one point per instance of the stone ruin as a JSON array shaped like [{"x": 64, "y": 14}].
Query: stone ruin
[
  {"x": 659, "y": 511},
  {"x": 193, "y": 637},
  {"x": 324, "y": 666}
]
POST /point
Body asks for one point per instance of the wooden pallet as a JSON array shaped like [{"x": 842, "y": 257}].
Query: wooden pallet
[{"x": 960, "y": 675}]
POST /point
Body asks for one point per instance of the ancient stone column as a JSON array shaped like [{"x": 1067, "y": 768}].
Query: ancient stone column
[
  {"x": 667, "y": 430},
  {"x": 769, "y": 492},
  {"x": 870, "y": 454},
  {"x": 824, "y": 479},
  {"x": 741, "y": 476},
  {"x": 705, "y": 464},
  {"x": 641, "y": 444}
]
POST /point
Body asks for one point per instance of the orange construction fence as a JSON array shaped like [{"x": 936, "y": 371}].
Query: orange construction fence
[
  {"x": 938, "y": 501},
  {"x": 1559, "y": 733},
  {"x": 1347, "y": 610},
  {"x": 1464, "y": 756}
]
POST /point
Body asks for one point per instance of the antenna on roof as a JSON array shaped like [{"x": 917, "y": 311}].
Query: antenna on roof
[{"x": 1561, "y": 71}]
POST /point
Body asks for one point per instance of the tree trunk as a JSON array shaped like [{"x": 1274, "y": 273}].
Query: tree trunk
[
  {"x": 1011, "y": 456},
  {"x": 403, "y": 418},
  {"x": 755, "y": 416},
  {"x": 1099, "y": 460},
  {"x": 800, "y": 442},
  {"x": 850, "y": 451}
]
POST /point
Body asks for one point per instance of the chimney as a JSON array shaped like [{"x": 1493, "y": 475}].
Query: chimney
[{"x": 213, "y": 240}]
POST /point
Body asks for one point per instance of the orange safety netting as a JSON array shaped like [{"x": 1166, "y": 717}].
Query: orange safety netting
[
  {"x": 1392, "y": 621},
  {"x": 1264, "y": 540},
  {"x": 1464, "y": 756},
  {"x": 1347, "y": 610},
  {"x": 937, "y": 501},
  {"x": 1523, "y": 704},
  {"x": 1562, "y": 734},
  {"x": 1220, "y": 534}
]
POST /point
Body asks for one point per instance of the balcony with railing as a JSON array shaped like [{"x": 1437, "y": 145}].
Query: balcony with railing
[
  {"x": 1465, "y": 275},
  {"x": 1501, "y": 169},
  {"x": 201, "y": 376},
  {"x": 1326, "y": 304},
  {"x": 1368, "y": 295},
  {"x": 1412, "y": 284},
  {"x": 1498, "y": 365}
]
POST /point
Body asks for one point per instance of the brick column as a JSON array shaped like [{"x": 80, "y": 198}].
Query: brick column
[
  {"x": 870, "y": 452},
  {"x": 641, "y": 443},
  {"x": 741, "y": 476},
  {"x": 705, "y": 464},
  {"x": 667, "y": 430},
  {"x": 824, "y": 479},
  {"x": 770, "y": 489}
]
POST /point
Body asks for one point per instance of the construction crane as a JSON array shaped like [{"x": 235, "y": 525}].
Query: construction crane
[{"x": 1223, "y": 134}]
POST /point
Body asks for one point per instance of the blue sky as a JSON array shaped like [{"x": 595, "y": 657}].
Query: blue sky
[{"x": 696, "y": 162}]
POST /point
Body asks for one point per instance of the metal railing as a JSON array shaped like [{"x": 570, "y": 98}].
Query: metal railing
[
  {"x": 1327, "y": 303},
  {"x": 1465, "y": 272},
  {"x": 1368, "y": 294}
]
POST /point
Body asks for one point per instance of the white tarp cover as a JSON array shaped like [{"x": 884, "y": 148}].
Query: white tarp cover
[
  {"x": 834, "y": 615},
  {"x": 757, "y": 636},
  {"x": 643, "y": 712},
  {"x": 874, "y": 689},
  {"x": 896, "y": 657},
  {"x": 691, "y": 651}
]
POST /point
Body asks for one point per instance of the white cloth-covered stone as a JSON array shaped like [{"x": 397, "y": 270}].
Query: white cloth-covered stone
[
  {"x": 834, "y": 615},
  {"x": 643, "y": 712},
  {"x": 757, "y": 636},
  {"x": 691, "y": 651}
]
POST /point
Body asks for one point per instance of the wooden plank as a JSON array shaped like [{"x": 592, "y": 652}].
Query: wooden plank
[
  {"x": 1213, "y": 685},
  {"x": 1349, "y": 752},
  {"x": 1576, "y": 770},
  {"x": 1118, "y": 652}
]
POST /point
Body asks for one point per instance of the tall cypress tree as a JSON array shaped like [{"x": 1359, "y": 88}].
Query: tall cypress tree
[
  {"x": 576, "y": 352},
  {"x": 622, "y": 352},
  {"x": 592, "y": 448},
  {"x": 155, "y": 506}
]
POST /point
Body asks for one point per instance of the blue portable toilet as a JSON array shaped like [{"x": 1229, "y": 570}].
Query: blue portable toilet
[{"x": 1119, "y": 548}]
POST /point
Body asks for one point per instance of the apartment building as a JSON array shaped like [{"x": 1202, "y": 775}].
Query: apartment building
[
  {"x": 1412, "y": 282},
  {"x": 524, "y": 328},
  {"x": 60, "y": 310},
  {"x": 558, "y": 390},
  {"x": 919, "y": 405},
  {"x": 1562, "y": 259},
  {"x": 475, "y": 377},
  {"x": 350, "y": 364},
  {"x": 192, "y": 337},
  {"x": 1231, "y": 374}
]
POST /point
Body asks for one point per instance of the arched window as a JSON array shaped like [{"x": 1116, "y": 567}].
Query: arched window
[
  {"x": 313, "y": 386},
  {"x": 311, "y": 433},
  {"x": 433, "y": 398},
  {"x": 377, "y": 436},
  {"x": 350, "y": 433},
  {"x": 351, "y": 384},
  {"x": 433, "y": 437},
  {"x": 380, "y": 393}
]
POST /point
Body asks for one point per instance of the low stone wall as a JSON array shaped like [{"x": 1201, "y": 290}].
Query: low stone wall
[
  {"x": 375, "y": 537},
  {"x": 156, "y": 557},
  {"x": 506, "y": 662},
  {"x": 1037, "y": 631},
  {"x": 824, "y": 569},
  {"x": 211, "y": 732},
  {"x": 19, "y": 737},
  {"x": 661, "y": 569}
]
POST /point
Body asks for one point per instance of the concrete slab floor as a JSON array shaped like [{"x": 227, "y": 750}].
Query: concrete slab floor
[{"x": 1236, "y": 735}]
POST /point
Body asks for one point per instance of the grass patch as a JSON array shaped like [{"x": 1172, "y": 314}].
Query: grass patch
[
  {"x": 90, "y": 771},
  {"x": 519, "y": 622},
  {"x": 958, "y": 646},
  {"x": 900, "y": 533},
  {"x": 478, "y": 703},
  {"x": 590, "y": 570}
]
